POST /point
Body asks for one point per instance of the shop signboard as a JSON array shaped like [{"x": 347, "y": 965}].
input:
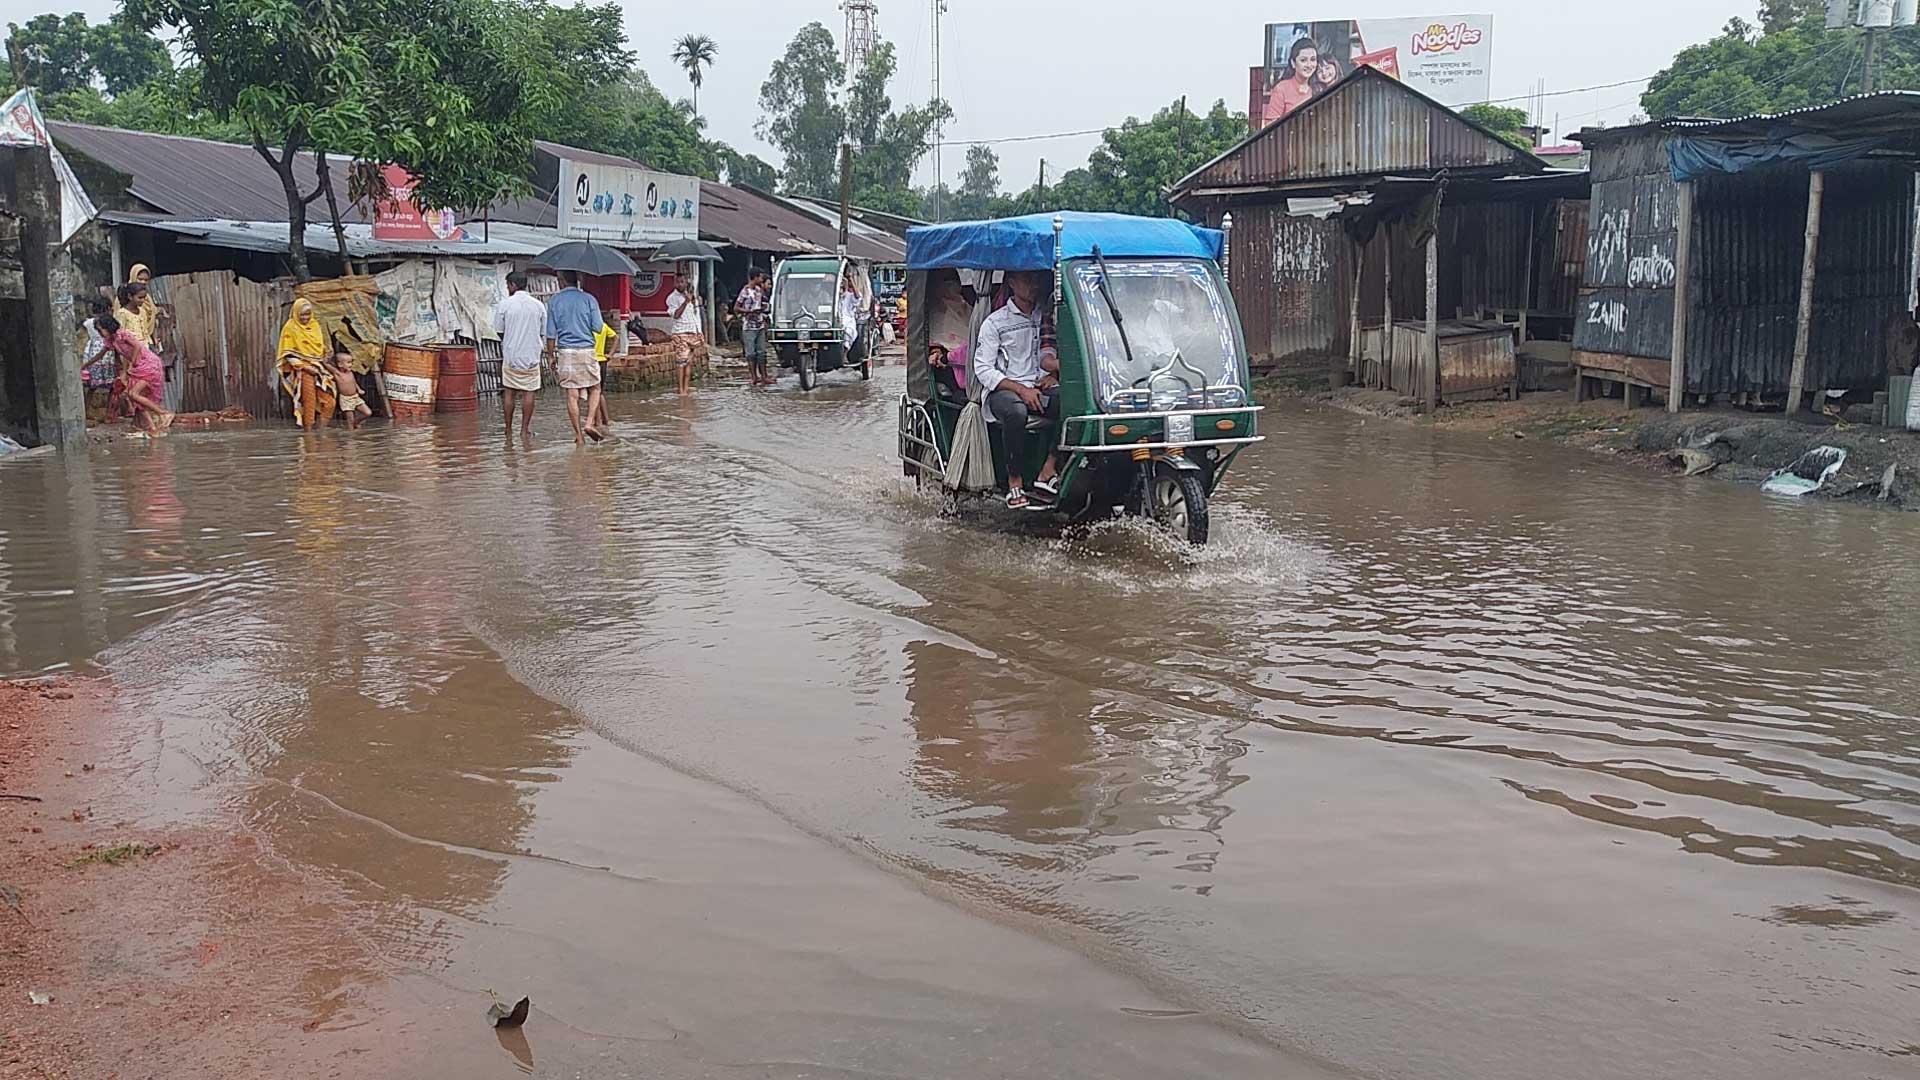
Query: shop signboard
[
  {"x": 624, "y": 205},
  {"x": 398, "y": 217},
  {"x": 1447, "y": 57}
]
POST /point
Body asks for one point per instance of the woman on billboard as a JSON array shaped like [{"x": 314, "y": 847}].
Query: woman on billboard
[{"x": 1298, "y": 84}]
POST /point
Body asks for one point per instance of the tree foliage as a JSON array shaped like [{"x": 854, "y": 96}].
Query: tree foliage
[
  {"x": 60, "y": 54},
  {"x": 1136, "y": 163},
  {"x": 1511, "y": 124},
  {"x": 695, "y": 53},
  {"x": 1788, "y": 60},
  {"x": 805, "y": 118},
  {"x": 979, "y": 194}
]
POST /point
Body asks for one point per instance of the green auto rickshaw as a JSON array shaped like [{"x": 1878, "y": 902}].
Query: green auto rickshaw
[
  {"x": 817, "y": 324},
  {"x": 1153, "y": 382}
]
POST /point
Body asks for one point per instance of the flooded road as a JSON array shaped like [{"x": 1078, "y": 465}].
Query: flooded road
[{"x": 1449, "y": 758}]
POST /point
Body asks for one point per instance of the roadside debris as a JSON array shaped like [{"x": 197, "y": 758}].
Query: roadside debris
[
  {"x": 503, "y": 1017},
  {"x": 10, "y": 896},
  {"x": 1807, "y": 475},
  {"x": 1693, "y": 462},
  {"x": 1886, "y": 482},
  {"x": 39, "y": 997},
  {"x": 117, "y": 855}
]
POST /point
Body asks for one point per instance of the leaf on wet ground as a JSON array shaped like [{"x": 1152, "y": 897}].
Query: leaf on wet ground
[
  {"x": 116, "y": 855},
  {"x": 10, "y": 896},
  {"x": 501, "y": 1016}
]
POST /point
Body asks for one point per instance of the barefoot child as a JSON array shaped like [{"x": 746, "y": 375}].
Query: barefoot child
[
  {"x": 146, "y": 378},
  {"x": 352, "y": 405}
]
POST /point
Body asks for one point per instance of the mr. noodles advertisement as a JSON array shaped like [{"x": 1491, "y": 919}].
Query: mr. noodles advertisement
[{"x": 1447, "y": 57}]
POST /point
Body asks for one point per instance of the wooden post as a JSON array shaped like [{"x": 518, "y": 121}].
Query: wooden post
[
  {"x": 1803, "y": 329},
  {"x": 1353, "y": 307},
  {"x": 1430, "y": 362},
  {"x": 1385, "y": 375},
  {"x": 1682, "y": 263}
]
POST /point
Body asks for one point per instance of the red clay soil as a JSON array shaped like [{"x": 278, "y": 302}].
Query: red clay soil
[{"x": 193, "y": 952}]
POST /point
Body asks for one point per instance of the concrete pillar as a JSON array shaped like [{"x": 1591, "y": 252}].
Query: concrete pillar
[{"x": 60, "y": 402}]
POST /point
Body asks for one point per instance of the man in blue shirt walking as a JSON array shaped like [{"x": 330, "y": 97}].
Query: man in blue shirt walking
[{"x": 573, "y": 318}]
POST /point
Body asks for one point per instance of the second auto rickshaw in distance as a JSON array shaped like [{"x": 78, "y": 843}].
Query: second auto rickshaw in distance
[{"x": 823, "y": 318}]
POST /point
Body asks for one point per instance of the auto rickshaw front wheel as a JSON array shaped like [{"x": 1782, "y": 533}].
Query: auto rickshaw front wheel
[
  {"x": 808, "y": 366},
  {"x": 1180, "y": 503}
]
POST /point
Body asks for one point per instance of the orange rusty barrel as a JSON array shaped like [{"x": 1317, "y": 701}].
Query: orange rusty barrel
[
  {"x": 408, "y": 375},
  {"x": 457, "y": 388}
]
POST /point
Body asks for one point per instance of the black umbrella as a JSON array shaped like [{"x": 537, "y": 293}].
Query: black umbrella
[
  {"x": 586, "y": 257},
  {"x": 685, "y": 250}
]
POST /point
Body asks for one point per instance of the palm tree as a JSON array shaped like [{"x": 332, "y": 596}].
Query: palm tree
[{"x": 694, "y": 52}]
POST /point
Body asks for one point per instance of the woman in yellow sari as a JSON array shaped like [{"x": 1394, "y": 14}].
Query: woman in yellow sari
[{"x": 304, "y": 372}]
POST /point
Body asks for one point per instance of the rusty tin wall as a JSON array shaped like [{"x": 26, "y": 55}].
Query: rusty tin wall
[
  {"x": 1366, "y": 126},
  {"x": 1748, "y": 239},
  {"x": 1290, "y": 278},
  {"x": 1293, "y": 276},
  {"x": 222, "y": 339}
]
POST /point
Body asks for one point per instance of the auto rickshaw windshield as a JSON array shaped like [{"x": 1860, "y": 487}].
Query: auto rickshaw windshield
[
  {"x": 811, "y": 295},
  {"x": 1170, "y": 308}
]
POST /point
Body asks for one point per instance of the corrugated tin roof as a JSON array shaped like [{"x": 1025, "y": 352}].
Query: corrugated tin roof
[
  {"x": 188, "y": 177},
  {"x": 197, "y": 181},
  {"x": 1894, "y": 113},
  {"x": 497, "y": 239},
  {"x": 829, "y": 214},
  {"x": 1365, "y": 125}
]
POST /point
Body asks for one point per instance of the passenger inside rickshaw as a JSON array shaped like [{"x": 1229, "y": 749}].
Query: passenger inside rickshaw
[{"x": 949, "y": 328}]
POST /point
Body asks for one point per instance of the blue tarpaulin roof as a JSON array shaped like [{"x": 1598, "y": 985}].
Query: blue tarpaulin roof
[{"x": 1026, "y": 243}]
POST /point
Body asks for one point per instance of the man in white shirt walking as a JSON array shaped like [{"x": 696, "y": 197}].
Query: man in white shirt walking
[
  {"x": 683, "y": 307},
  {"x": 521, "y": 320}
]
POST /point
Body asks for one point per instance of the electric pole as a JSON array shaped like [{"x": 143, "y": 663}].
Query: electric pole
[{"x": 939, "y": 9}]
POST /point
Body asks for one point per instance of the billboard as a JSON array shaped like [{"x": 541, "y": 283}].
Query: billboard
[
  {"x": 1447, "y": 57},
  {"x": 628, "y": 206},
  {"x": 398, "y": 217}
]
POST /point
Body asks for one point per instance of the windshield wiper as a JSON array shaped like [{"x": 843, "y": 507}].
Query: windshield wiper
[{"x": 1106, "y": 293}]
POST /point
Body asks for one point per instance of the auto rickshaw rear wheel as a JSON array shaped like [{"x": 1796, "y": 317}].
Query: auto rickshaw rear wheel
[{"x": 1180, "y": 503}]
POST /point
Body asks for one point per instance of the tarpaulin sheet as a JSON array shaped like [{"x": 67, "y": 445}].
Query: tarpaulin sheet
[
  {"x": 1690, "y": 158},
  {"x": 1026, "y": 243},
  {"x": 406, "y": 303},
  {"x": 465, "y": 293},
  {"x": 345, "y": 306}
]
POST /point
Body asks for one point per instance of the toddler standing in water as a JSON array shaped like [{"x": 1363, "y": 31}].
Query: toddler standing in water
[{"x": 352, "y": 405}]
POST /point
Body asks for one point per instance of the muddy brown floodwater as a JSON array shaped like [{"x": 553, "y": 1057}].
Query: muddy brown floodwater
[{"x": 1449, "y": 758}]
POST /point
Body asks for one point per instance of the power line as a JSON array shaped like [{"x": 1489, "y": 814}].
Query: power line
[{"x": 1029, "y": 138}]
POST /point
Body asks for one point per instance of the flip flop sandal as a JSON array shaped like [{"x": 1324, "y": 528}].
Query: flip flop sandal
[
  {"x": 1049, "y": 488},
  {"x": 1017, "y": 500}
]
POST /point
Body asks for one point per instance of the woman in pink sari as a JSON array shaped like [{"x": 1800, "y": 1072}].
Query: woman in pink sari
[{"x": 141, "y": 367}]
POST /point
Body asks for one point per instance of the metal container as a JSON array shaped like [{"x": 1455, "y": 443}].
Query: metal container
[{"x": 456, "y": 389}]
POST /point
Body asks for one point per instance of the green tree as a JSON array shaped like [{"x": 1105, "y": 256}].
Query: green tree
[
  {"x": 1136, "y": 163},
  {"x": 979, "y": 195},
  {"x": 801, "y": 116},
  {"x": 64, "y": 53},
  {"x": 1509, "y": 123},
  {"x": 887, "y": 142},
  {"x": 744, "y": 169},
  {"x": 805, "y": 119},
  {"x": 449, "y": 89},
  {"x": 693, "y": 53},
  {"x": 1789, "y": 60}
]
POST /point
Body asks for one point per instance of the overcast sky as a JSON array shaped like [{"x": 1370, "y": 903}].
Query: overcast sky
[{"x": 1036, "y": 67}]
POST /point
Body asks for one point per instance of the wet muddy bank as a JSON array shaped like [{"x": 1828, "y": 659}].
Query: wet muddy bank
[
  {"x": 142, "y": 950},
  {"x": 1722, "y": 444}
]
